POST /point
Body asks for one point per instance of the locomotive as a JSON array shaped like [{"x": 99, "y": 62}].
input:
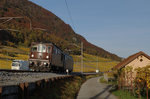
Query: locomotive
[{"x": 49, "y": 57}]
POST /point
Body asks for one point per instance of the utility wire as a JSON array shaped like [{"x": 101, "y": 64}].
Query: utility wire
[
  {"x": 69, "y": 13},
  {"x": 6, "y": 21}
]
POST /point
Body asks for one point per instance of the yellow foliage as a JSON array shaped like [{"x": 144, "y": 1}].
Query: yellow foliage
[
  {"x": 5, "y": 64},
  {"x": 5, "y": 60},
  {"x": 5, "y": 56},
  {"x": 22, "y": 57},
  {"x": 91, "y": 63},
  {"x": 24, "y": 49}
]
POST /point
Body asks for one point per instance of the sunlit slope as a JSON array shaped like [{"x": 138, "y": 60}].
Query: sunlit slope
[
  {"x": 91, "y": 63},
  {"x": 7, "y": 54}
]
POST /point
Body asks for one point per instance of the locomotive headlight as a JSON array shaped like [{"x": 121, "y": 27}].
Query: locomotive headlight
[
  {"x": 47, "y": 57},
  {"x": 46, "y": 64},
  {"x": 32, "y": 55}
]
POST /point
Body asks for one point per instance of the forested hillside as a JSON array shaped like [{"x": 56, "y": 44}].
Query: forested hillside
[{"x": 23, "y": 22}]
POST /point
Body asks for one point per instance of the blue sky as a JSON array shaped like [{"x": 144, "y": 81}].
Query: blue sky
[{"x": 121, "y": 27}]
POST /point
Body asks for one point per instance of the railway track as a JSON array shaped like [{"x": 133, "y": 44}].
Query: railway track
[
  {"x": 21, "y": 84},
  {"x": 15, "y": 77},
  {"x": 16, "y": 84}
]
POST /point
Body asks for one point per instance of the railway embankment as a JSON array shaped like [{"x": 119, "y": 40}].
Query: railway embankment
[
  {"x": 40, "y": 85},
  {"x": 62, "y": 89},
  {"x": 15, "y": 78},
  {"x": 22, "y": 85}
]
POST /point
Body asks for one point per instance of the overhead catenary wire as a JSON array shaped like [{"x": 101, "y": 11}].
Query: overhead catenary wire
[{"x": 69, "y": 13}]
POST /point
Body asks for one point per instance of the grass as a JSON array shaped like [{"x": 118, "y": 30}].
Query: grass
[
  {"x": 102, "y": 80},
  {"x": 121, "y": 94},
  {"x": 124, "y": 94}
]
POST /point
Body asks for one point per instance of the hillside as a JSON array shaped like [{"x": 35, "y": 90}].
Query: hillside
[
  {"x": 90, "y": 62},
  {"x": 29, "y": 22}
]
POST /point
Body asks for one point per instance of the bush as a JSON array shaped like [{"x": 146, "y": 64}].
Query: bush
[{"x": 102, "y": 80}]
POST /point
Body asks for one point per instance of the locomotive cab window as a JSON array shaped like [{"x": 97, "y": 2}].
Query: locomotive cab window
[
  {"x": 34, "y": 48},
  {"x": 54, "y": 50},
  {"x": 41, "y": 48},
  {"x": 49, "y": 49}
]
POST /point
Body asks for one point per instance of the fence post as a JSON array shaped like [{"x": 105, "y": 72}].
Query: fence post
[
  {"x": 21, "y": 90},
  {"x": 119, "y": 83},
  {"x": 47, "y": 83},
  {"x": 0, "y": 92},
  {"x": 26, "y": 91},
  {"x": 146, "y": 86},
  {"x": 131, "y": 82}
]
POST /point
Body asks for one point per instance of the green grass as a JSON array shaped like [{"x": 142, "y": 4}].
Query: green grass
[
  {"x": 102, "y": 80},
  {"x": 123, "y": 94}
]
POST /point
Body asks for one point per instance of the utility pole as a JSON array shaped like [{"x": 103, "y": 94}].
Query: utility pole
[
  {"x": 81, "y": 57},
  {"x": 97, "y": 70},
  {"x": 97, "y": 64}
]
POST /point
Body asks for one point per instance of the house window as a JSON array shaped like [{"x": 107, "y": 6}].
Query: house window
[{"x": 141, "y": 60}]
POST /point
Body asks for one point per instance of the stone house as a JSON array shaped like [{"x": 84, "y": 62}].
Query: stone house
[{"x": 139, "y": 59}]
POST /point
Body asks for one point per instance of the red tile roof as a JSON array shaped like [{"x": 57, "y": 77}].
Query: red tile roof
[{"x": 129, "y": 59}]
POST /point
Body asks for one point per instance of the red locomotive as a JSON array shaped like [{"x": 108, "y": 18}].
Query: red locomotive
[{"x": 48, "y": 57}]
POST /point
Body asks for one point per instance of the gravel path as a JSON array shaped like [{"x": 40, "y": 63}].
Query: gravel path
[
  {"x": 92, "y": 89},
  {"x": 8, "y": 78}
]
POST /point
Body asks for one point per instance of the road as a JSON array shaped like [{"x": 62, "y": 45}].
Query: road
[{"x": 92, "y": 89}]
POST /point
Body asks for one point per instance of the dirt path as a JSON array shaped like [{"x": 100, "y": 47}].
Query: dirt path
[{"x": 92, "y": 89}]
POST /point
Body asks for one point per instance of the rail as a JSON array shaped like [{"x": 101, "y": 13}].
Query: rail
[{"x": 23, "y": 90}]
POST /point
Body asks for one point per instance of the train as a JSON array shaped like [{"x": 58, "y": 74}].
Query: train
[{"x": 49, "y": 57}]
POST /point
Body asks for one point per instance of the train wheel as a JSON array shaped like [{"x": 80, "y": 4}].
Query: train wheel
[{"x": 70, "y": 71}]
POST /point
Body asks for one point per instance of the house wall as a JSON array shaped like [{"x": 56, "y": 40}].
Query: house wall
[{"x": 140, "y": 61}]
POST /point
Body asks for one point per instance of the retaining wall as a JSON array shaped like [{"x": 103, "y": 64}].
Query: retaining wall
[{"x": 23, "y": 90}]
